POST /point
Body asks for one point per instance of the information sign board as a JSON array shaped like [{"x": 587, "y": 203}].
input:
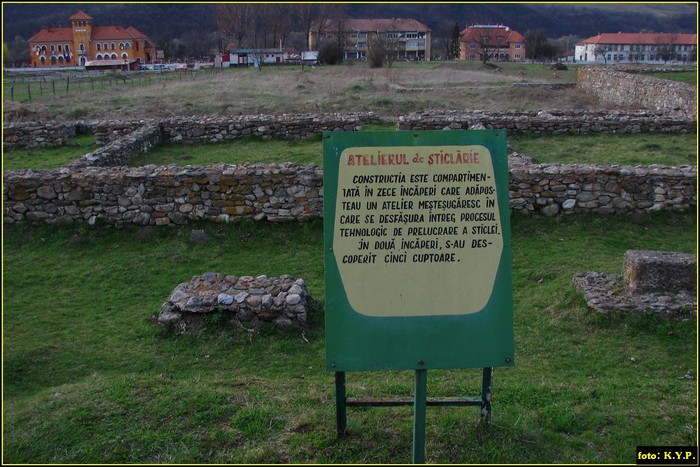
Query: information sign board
[{"x": 417, "y": 250}]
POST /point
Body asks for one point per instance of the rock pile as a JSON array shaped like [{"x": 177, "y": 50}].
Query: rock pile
[{"x": 247, "y": 301}]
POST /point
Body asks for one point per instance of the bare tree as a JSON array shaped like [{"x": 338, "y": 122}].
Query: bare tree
[
  {"x": 339, "y": 17},
  {"x": 279, "y": 23},
  {"x": 236, "y": 20},
  {"x": 601, "y": 50},
  {"x": 307, "y": 14},
  {"x": 666, "y": 46},
  {"x": 392, "y": 44},
  {"x": 487, "y": 40}
]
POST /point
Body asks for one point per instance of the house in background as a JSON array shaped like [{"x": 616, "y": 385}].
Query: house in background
[
  {"x": 410, "y": 38},
  {"x": 83, "y": 43},
  {"x": 642, "y": 47},
  {"x": 254, "y": 57},
  {"x": 488, "y": 42}
]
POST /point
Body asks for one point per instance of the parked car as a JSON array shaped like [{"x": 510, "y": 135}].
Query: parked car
[{"x": 159, "y": 67}]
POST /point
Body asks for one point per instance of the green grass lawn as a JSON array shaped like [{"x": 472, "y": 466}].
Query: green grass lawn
[
  {"x": 248, "y": 150},
  {"x": 48, "y": 158},
  {"x": 676, "y": 149},
  {"x": 689, "y": 77},
  {"x": 644, "y": 149},
  {"x": 88, "y": 378}
]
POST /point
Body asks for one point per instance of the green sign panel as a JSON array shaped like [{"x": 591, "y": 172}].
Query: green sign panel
[{"x": 417, "y": 250}]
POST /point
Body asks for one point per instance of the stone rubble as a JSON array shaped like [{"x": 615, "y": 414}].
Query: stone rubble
[
  {"x": 247, "y": 301},
  {"x": 661, "y": 282}
]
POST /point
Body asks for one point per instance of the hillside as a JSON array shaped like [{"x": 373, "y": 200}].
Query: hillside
[{"x": 159, "y": 20}]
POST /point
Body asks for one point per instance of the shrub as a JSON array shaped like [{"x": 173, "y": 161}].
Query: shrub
[
  {"x": 329, "y": 54},
  {"x": 376, "y": 53}
]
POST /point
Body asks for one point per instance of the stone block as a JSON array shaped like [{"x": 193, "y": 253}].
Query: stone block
[{"x": 658, "y": 271}]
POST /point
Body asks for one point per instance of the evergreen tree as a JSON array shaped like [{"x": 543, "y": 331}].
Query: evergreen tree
[{"x": 454, "y": 43}]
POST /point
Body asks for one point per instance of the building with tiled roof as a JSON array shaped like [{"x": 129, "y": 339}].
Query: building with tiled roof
[
  {"x": 411, "y": 37},
  {"x": 642, "y": 47},
  {"x": 83, "y": 42},
  {"x": 488, "y": 42}
]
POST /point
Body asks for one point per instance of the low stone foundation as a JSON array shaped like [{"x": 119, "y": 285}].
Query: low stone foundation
[
  {"x": 663, "y": 282},
  {"x": 247, "y": 301}
]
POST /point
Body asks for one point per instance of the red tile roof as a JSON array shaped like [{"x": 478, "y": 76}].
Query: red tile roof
[
  {"x": 53, "y": 35},
  {"x": 99, "y": 33},
  {"x": 380, "y": 24},
  {"x": 493, "y": 33},
  {"x": 650, "y": 38},
  {"x": 111, "y": 33},
  {"x": 80, "y": 15},
  {"x": 387, "y": 24}
]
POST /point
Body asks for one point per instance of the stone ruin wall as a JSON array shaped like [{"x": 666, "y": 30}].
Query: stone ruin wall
[
  {"x": 153, "y": 195},
  {"x": 620, "y": 88},
  {"x": 205, "y": 130},
  {"x": 550, "y": 122},
  {"x": 99, "y": 188}
]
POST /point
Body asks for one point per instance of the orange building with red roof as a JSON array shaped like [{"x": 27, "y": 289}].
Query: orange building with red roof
[
  {"x": 83, "y": 42},
  {"x": 487, "y": 42}
]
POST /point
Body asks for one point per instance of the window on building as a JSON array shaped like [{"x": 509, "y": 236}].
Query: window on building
[
  {"x": 66, "y": 48},
  {"x": 472, "y": 45},
  {"x": 113, "y": 48},
  {"x": 125, "y": 56},
  {"x": 517, "y": 45},
  {"x": 60, "y": 48},
  {"x": 52, "y": 48},
  {"x": 98, "y": 57},
  {"x": 121, "y": 46},
  {"x": 98, "y": 46},
  {"x": 127, "y": 46},
  {"x": 82, "y": 47},
  {"x": 518, "y": 56},
  {"x": 114, "y": 56}
]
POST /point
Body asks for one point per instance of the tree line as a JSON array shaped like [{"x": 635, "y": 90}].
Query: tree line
[{"x": 193, "y": 31}]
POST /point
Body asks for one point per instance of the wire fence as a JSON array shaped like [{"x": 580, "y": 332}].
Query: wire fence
[{"x": 27, "y": 87}]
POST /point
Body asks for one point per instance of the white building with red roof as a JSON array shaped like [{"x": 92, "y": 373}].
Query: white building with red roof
[
  {"x": 411, "y": 38},
  {"x": 83, "y": 42},
  {"x": 642, "y": 47}
]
